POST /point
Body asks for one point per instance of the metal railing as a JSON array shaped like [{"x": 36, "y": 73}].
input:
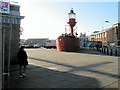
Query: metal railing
[{"x": 112, "y": 51}]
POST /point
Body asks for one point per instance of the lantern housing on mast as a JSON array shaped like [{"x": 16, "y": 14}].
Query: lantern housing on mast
[{"x": 71, "y": 14}]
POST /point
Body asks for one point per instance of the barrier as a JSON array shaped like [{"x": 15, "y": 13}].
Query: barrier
[{"x": 112, "y": 51}]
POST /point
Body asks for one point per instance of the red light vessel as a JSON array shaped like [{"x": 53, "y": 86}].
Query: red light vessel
[{"x": 69, "y": 42}]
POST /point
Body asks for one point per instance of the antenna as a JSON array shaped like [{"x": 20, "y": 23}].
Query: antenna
[
  {"x": 9, "y": 1},
  {"x": 65, "y": 29},
  {"x": 13, "y": 1}
]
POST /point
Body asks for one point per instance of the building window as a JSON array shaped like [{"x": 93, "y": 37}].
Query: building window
[
  {"x": 14, "y": 8},
  {"x": 18, "y": 21},
  {"x": 3, "y": 20},
  {"x": 0, "y": 19},
  {"x": 97, "y": 35},
  {"x": 15, "y": 21},
  {"x": 105, "y": 34},
  {"x": 11, "y": 20},
  {"x": 100, "y": 35},
  {"x": 8, "y": 21}
]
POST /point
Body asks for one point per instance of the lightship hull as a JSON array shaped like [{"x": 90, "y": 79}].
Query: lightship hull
[{"x": 68, "y": 43}]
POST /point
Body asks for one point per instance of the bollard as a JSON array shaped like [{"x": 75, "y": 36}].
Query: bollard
[
  {"x": 102, "y": 50},
  {"x": 118, "y": 52},
  {"x": 111, "y": 52},
  {"x": 115, "y": 52},
  {"x": 94, "y": 48},
  {"x": 107, "y": 51}
]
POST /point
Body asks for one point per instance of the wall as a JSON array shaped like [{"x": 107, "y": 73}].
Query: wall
[
  {"x": 107, "y": 36},
  {"x": 110, "y": 36},
  {"x": 0, "y": 58}
]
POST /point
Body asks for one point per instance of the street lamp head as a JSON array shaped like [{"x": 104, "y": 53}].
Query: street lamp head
[{"x": 107, "y": 21}]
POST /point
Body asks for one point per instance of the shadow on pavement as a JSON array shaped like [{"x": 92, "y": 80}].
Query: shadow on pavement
[
  {"x": 39, "y": 77},
  {"x": 89, "y": 51},
  {"x": 83, "y": 68}
]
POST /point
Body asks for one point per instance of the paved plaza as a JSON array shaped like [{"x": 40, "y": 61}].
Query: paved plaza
[{"x": 49, "y": 68}]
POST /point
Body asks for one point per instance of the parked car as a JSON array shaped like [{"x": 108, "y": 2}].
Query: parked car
[{"x": 113, "y": 44}]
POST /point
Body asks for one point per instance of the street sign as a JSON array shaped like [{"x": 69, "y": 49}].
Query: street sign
[{"x": 4, "y": 7}]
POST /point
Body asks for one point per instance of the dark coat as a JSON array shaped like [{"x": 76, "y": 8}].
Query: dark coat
[{"x": 22, "y": 57}]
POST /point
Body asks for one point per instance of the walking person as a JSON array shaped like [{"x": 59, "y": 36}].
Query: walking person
[{"x": 22, "y": 61}]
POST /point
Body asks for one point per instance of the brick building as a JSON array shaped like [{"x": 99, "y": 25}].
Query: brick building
[
  {"x": 9, "y": 31},
  {"x": 92, "y": 36},
  {"x": 107, "y": 36},
  {"x": 117, "y": 29}
]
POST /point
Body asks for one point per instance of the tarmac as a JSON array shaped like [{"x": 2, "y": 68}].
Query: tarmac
[{"x": 49, "y": 68}]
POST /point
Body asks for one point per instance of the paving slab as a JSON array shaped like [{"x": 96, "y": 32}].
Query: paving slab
[{"x": 49, "y": 68}]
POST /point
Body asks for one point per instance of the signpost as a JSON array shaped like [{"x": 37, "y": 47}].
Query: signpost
[{"x": 5, "y": 8}]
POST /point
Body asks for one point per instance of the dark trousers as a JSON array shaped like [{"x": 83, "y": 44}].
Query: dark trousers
[{"x": 22, "y": 69}]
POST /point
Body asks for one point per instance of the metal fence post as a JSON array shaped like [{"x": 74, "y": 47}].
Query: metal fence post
[
  {"x": 102, "y": 49},
  {"x": 107, "y": 51},
  {"x": 111, "y": 52},
  {"x": 115, "y": 52}
]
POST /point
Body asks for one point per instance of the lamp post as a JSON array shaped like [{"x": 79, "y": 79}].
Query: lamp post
[
  {"x": 103, "y": 25},
  {"x": 84, "y": 38}
]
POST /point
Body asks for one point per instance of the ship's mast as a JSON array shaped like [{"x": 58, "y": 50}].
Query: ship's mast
[{"x": 72, "y": 21}]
